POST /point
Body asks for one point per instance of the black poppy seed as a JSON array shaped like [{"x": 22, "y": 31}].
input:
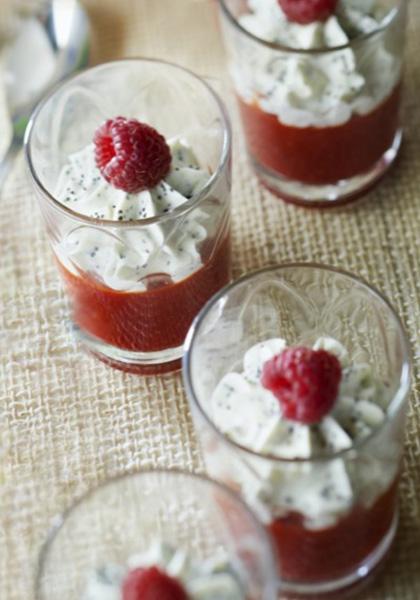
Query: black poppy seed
[
  {"x": 326, "y": 492},
  {"x": 120, "y": 218}
]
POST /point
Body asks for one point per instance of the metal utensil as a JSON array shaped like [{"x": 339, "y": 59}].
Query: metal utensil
[{"x": 49, "y": 46}]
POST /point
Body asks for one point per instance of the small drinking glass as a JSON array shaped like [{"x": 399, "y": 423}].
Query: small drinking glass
[
  {"x": 138, "y": 325},
  {"x": 126, "y": 515},
  {"x": 322, "y": 124},
  {"x": 301, "y": 303}
]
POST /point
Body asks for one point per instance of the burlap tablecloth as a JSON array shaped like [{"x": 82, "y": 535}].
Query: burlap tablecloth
[{"x": 68, "y": 422}]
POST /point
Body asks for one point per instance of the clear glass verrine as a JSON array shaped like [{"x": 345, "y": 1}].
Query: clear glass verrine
[
  {"x": 136, "y": 284},
  {"x": 124, "y": 517},
  {"x": 302, "y": 303},
  {"x": 321, "y": 115}
]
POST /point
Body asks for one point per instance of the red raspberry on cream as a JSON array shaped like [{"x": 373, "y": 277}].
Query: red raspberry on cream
[
  {"x": 305, "y": 382},
  {"x": 152, "y": 584},
  {"x": 308, "y": 11},
  {"x": 132, "y": 156}
]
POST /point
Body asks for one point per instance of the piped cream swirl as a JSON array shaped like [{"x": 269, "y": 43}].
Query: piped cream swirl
[{"x": 122, "y": 259}]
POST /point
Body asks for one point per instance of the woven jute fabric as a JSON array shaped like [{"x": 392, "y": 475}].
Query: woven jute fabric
[{"x": 67, "y": 422}]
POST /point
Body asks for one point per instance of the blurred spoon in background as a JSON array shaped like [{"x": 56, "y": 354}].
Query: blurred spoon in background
[{"x": 48, "y": 46}]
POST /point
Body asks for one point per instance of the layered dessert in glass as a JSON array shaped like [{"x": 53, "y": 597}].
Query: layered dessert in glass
[
  {"x": 318, "y": 84},
  {"x": 134, "y": 187},
  {"x": 298, "y": 379},
  {"x": 158, "y": 535}
]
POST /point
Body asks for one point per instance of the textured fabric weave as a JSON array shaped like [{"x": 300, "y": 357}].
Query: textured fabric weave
[{"x": 68, "y": 422}]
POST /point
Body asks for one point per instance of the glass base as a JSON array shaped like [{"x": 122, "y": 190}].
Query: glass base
[
  {"x": 129, "y": 361},
  {"x": 331, "y": 195},
  {"x": 351, "y": 583}
]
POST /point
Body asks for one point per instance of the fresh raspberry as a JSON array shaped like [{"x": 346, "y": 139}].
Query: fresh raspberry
[
  {"x": 151, "y": 584},
  {"x": 304, "y": 381},
  {"x": 308, "y": 11},
  {"x": 132, "y": 156}
]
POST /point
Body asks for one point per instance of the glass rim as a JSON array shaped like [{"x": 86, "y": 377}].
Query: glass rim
[
  {"x": 386, "y": 22},
  {"x": 397, "y": 400},
  {"x": 60, "y": 520},
  {"x": 180, "y": 210}
]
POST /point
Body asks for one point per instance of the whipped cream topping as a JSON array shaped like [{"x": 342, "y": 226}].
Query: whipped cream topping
[
  {"x": 123, "y": 258},
  {"x": 321, "y": 89},
  {"x": 251, "y": 415},
  {"x": 83, "y": 189},
  {"x": 213, "y": 579}
]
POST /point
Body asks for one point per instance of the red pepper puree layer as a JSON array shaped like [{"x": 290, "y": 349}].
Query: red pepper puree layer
[
  {"x": 307, "y": 555},
  {"x": 321, "y": 155},
  {"x": 151, "y": 320}
]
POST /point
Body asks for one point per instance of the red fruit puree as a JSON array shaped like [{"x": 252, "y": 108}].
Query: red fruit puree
[
  {"x": 324, "y": 554},
  {"x": 321, "y": 155},
  {"x": 151, "y": 320}
]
